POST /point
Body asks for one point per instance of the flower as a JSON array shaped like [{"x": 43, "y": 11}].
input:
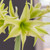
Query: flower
[{"x": 25, "y": 26}]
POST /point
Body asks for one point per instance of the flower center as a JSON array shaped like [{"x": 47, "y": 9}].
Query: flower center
[{"x": 21, "y": 25}]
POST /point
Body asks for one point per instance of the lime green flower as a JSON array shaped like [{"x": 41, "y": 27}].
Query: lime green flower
[{"x": 25, "y": 26}]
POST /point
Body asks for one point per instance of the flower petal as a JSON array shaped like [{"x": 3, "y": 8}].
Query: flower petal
[
  {"x": 2, "y": 28},
  {"x": 14, "y": 33},
  {"x": 25, "y": 13},
  {"x": 41, "y": 30},
  {"x": 23, "y": 38},
  {"x": 35, "y": 40},
  {"x": 1, "y": 22},
  {"x": 11, "y": 10},
  {"x": 36, "y": 33}
]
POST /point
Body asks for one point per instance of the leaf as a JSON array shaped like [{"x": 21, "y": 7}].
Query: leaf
[
  {"x": 1, "y": 22},
  {"x": 25, "y": 13},
  {"x": 17, "y": 43},
  {"x": 35, "y": 40},
  {"x": 41, "y": 30},
  {"x": 14, "y": 33},
  {"x": 11, "y": 10}
]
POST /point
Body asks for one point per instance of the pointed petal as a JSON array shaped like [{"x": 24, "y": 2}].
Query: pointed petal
[
  {"x": 35, "y": 40},
  {"x": 2, "y": 1},
  {"x": 11, "y": 21},
  {"x": 38, "y": 5},
  {"x": 1, "y": 22},
  {"x": 41, "y": 30},
  {"x": 10, "y": 27},
  {"x": 2, "y": 6},
  {"x": 14, "y": 33},
  {"x": 11, "y": 10},
  {"x": 2, "y": 28},
  {"x": 25, "y": 13},
  {"x": 16, "y": 14},
  {"x": 34, "y": 32},
  {"x": 6, "y": 9},
  {"x": 35, "y": 13},
  {"x": 23, "y": 38}
]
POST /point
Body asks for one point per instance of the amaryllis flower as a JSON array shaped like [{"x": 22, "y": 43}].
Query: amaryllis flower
[{"x": 25, "y": 26}]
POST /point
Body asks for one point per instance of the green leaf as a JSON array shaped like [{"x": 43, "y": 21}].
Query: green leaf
[
  {"x": 41, "y": 30},
  {"x": 25, "y": 13},
  {"x": 17, "y": 43},
  {"x": 1, "y": 22},
  {"x": 35, "y": 40},
  {"x": 11, "y": 10},
  {"x": 14, "y": 33}
]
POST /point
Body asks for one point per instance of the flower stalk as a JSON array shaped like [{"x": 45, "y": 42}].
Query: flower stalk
[{"x": 17, "y": 43}]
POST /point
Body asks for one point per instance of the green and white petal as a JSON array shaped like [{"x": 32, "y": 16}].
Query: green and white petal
[
  {"x": 14, "y": 33},
  {"x": 26, "y": 13},
  {"x": 23, "y": 38},
  {"x": 1, "y": 2},
  {"x": 11, "y": 10},
  {"x": 35, "y": 12},
  {"x": 36, "y": 33},
  {"x": 10, "y": 27},
  {"x": 16, "y": 14},
  {"x": 2, "y": 28},
  {"x": 38, "y": 5},
  {"x": 1, "y": 22},
  {"x": 35, "y": 40},
  {"x": 41, "y": 30}
]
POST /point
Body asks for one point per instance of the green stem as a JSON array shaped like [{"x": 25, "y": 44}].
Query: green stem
[{"x": 17, "y": 43}]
